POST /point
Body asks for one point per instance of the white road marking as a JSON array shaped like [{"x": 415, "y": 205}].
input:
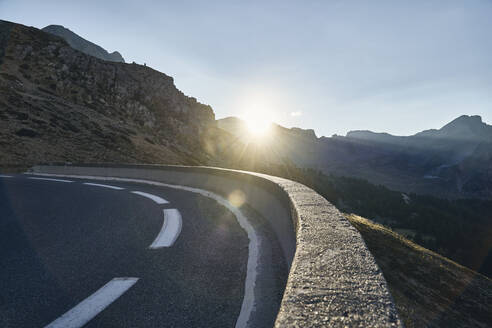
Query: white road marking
[
  {"x": 155, "y": 198},
  {"x": 5, "y": 176},
  {"x": 48, "y": 179},
  {"x": 249, "y": 303},
  {"x": 103, "y": 186},
  {"x": 86, "y": 310},
  {"x": 171, "y": 228}
]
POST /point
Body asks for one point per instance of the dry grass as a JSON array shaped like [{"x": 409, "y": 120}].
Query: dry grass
[{"x": 429, "y": 290}]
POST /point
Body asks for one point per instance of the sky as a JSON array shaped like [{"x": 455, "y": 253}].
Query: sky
[{"x": 333, "y": 66}]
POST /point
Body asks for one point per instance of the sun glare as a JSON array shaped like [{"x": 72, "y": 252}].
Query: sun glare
[
  {"x": 258, "y": 126},
  {"x": 257, "y": 106}
]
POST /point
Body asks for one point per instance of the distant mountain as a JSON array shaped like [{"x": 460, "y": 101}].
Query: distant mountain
[
  {"x": 374, "y": 136},
  {"x": 239, "y": 128},
  {"x": 454, "y": 161},
  {"x": 82, "y": 44},
  {"x": 281, "y": 146},
  {"x": 463, "y": 128},
  {"x": 234, "y": 125}
]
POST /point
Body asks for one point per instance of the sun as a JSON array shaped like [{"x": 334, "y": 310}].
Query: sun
[
  {"x": 257, "y": 106},
  {"x": 258, "y": 126}
]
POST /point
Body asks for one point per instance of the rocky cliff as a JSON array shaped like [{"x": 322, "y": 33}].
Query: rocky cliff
[{"x": 60, "y": 104}]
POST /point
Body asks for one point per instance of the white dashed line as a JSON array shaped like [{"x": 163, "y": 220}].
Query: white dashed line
[
  {"x": 249, "y": 301},
  {"x": 171, "y": 228},
  {"x": 94, "y": 304},
  {"x": 155, "y": 198},
  {"x": 5, "y": 176},
  {"x": 48, "y": 179},
  {"x": 103, "y": 186}
]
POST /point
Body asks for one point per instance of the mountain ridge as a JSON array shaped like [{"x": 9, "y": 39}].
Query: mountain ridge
[
  {"x": 81, "y": 44},
  {"x": 464, "y": 127},
  {"x": 449, "y": 162}
]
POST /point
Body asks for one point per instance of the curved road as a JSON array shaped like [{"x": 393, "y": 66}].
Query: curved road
[{"x": 76, "y": 252}]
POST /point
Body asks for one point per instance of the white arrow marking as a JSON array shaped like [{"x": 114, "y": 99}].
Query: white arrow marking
[
  {"x": 103, "y": 185},
  {"x": 171, "y": 228},
  {"x": 5, "y": 176},
  {"x": 94, "y": 304},
  {"x": 155, "y": 198}
]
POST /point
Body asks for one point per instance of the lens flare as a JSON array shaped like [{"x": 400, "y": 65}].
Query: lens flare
[{"x": 237, "y": 198}]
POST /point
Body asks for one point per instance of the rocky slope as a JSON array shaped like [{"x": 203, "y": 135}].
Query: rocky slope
[
  {"x": 83, "y": 45},
  {"x": 429, "y": 290},
  {"x": 454, "y": 161},
  {"x": 59, "y": 104}
]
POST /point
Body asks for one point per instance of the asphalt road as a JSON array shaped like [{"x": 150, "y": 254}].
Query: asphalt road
[{"x": 63, "y": 244}]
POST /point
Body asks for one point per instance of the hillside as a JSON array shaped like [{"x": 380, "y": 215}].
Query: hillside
[
  {"x": 80, "y": 44},
  {"x": 59, "y": 104},
  {"x": 457, "y": 229},
  {"x": 429, "y": 290}
]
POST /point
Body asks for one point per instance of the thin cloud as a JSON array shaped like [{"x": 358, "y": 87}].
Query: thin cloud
[{"x": 295, "y": 114}]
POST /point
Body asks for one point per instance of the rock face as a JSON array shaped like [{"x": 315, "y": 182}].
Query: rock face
[
  {"x": 83, "y": 45},
  {"x": 60, "y": 104}
]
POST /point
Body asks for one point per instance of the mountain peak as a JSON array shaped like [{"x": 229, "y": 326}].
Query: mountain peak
[
  {"x": 465, "y": 127},
  {"x": 305, "y": 133},
  {"x": 465, "y": 120},
  {"x": 366, "y": 134},
  {"x": 83, "y": 45}
]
